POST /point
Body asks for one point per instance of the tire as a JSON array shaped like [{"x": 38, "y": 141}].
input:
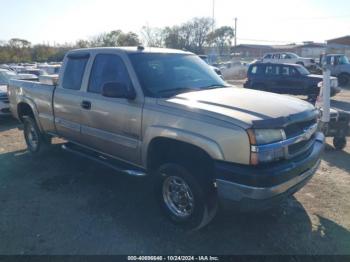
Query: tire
[
  {"x": 174, "y": 184},
  {"x": 339, "y": 143},
  {"x": 35, "y": 140},
  {"x": 344, "y": 79}
]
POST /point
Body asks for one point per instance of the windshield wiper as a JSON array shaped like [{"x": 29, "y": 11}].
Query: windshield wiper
[{"x": 214, "y": 86}]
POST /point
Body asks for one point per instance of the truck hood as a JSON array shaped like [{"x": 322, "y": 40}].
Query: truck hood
[
  {"x": 319, "y": 77},
  {"x": 240, "y": 106}
]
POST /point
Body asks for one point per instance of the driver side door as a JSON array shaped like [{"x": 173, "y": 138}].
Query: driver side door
[{"x": 111, "y": 125}]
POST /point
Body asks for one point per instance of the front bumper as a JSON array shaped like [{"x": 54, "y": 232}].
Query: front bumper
[{"x": 254, "y": 185}]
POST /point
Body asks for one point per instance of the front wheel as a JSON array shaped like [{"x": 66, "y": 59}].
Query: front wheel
[
  {"x": 344, "y": 79},
  {"x": 35, "y": 140},
  {"x": 187, "y": 202},
  {"x": 339, "y": 143}
]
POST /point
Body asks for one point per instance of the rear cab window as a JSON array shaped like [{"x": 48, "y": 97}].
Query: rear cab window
[{"x": 74, "y": 71}]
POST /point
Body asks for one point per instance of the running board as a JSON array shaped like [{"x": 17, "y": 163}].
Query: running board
[{"x": 112, "y": 163}]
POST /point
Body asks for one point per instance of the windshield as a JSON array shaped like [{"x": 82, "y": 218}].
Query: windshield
[
  {"x": 165, "y": 75},
  {"x": 302, "y": 70},
  {"x": 343, "y": 60}
]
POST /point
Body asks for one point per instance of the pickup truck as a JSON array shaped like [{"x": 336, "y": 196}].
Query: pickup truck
[
  {"x": 166, "y": 114},
  {"x": 339, "y": 66}
]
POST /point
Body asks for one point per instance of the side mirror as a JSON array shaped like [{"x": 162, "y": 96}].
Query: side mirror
[{"x": 117, "y": 90}]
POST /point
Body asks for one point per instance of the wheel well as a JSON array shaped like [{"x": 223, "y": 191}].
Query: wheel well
[
  {"x": 162, "y": 150},
  {"x": 23, "y": 109}
]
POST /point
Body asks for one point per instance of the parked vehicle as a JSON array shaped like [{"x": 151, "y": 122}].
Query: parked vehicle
[
  {"x": 4, "y": 101},
  {"x": 215, "y": 69},
  {"x": 50, "y": 69},
  {"x": 7, "y": 75},
  {"x": 339, "y": 66},
  {"x": 288, "y": 58},
  {"x": 165, "y": 113},
  {"x": 286, "y": 79}
]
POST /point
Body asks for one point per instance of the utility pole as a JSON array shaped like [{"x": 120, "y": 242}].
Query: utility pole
[
  {"x": 213, "y": 22},
  {"x": 235, "y": 31}
]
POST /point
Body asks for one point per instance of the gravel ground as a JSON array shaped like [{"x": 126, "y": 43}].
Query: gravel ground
[{"x": 62, "y": 204}]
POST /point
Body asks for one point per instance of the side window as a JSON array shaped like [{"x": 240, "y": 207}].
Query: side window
[
  {"x": 107, "y": 68},
  {"x": 271, "y": 70},
  {"x": 268, "y": 56},
  {"x": 285, "y": 70},
  {"x": 74, "y": 72},
  {"x": 254, "y": 70},
  {"x": 293, "y": 71}
]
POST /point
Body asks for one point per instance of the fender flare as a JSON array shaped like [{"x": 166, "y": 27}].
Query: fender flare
[
  {"x": 32, "y": 105},
  {"x": 206, "y": 144}
]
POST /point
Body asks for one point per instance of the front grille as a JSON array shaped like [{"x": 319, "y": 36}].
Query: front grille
[
  {"x": 4, "y": 99},
  {"x": 298, "y": 128},
  {"x": 300, "y": 147}
]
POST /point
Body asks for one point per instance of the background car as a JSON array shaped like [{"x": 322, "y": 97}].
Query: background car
[
  {"x": 286, "y": 79},
  {"x": 288, "y": 58}
]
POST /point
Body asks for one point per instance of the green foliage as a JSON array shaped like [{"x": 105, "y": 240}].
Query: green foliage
[
  {"x": 221, "y": 37},
  {"x": 193, "y": 36}
]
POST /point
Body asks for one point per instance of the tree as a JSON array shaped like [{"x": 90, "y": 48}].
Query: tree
[
  {"x": 201, "y": 28},
  {"x": 152, "y": 37},
  {"x": 128, "y": 39},
  {"x": 19, "y": 43},
  {"x": 222, "y": 37},
  {"x": 191, "y": 35},
  {"x": 82, "y": 43}
]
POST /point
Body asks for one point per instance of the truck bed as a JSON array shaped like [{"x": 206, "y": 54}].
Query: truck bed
[{"x": 39, "y": 96}]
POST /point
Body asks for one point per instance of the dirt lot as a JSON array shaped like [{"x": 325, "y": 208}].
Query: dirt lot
[{"x": 62, "y": 204}]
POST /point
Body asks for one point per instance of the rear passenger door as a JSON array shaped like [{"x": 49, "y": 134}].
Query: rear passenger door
[
  {"x": 68, "y": 96},
  {"x": 291, "y": 82},
  {"x": 111, "y": 125}
]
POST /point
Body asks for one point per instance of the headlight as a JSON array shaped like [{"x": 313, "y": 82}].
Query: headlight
[{"x": 265, "y": 137}]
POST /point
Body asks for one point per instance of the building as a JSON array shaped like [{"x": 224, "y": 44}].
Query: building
[
  {"x": 307, "y": 49},
  {"x": 339, "y": 45}
]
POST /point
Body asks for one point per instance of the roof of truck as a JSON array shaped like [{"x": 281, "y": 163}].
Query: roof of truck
[{"x": 135, "y": 49}]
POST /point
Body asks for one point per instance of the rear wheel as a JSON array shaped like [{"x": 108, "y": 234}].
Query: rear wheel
[
  {"x": 35, "y": 140},
  {"x": 186, "y": 201}
]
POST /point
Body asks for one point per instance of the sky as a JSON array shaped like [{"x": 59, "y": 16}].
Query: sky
[{"x": 259, "y": 22}]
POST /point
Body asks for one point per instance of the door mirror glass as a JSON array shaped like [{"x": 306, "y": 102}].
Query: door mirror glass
[{"x": 117, "y": 90}]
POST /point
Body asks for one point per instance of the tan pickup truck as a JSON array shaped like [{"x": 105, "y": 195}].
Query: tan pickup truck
[{"x": 165, "y": 113}]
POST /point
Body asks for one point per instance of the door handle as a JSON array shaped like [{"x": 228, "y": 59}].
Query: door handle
[{"x": 86, "y": 105}]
